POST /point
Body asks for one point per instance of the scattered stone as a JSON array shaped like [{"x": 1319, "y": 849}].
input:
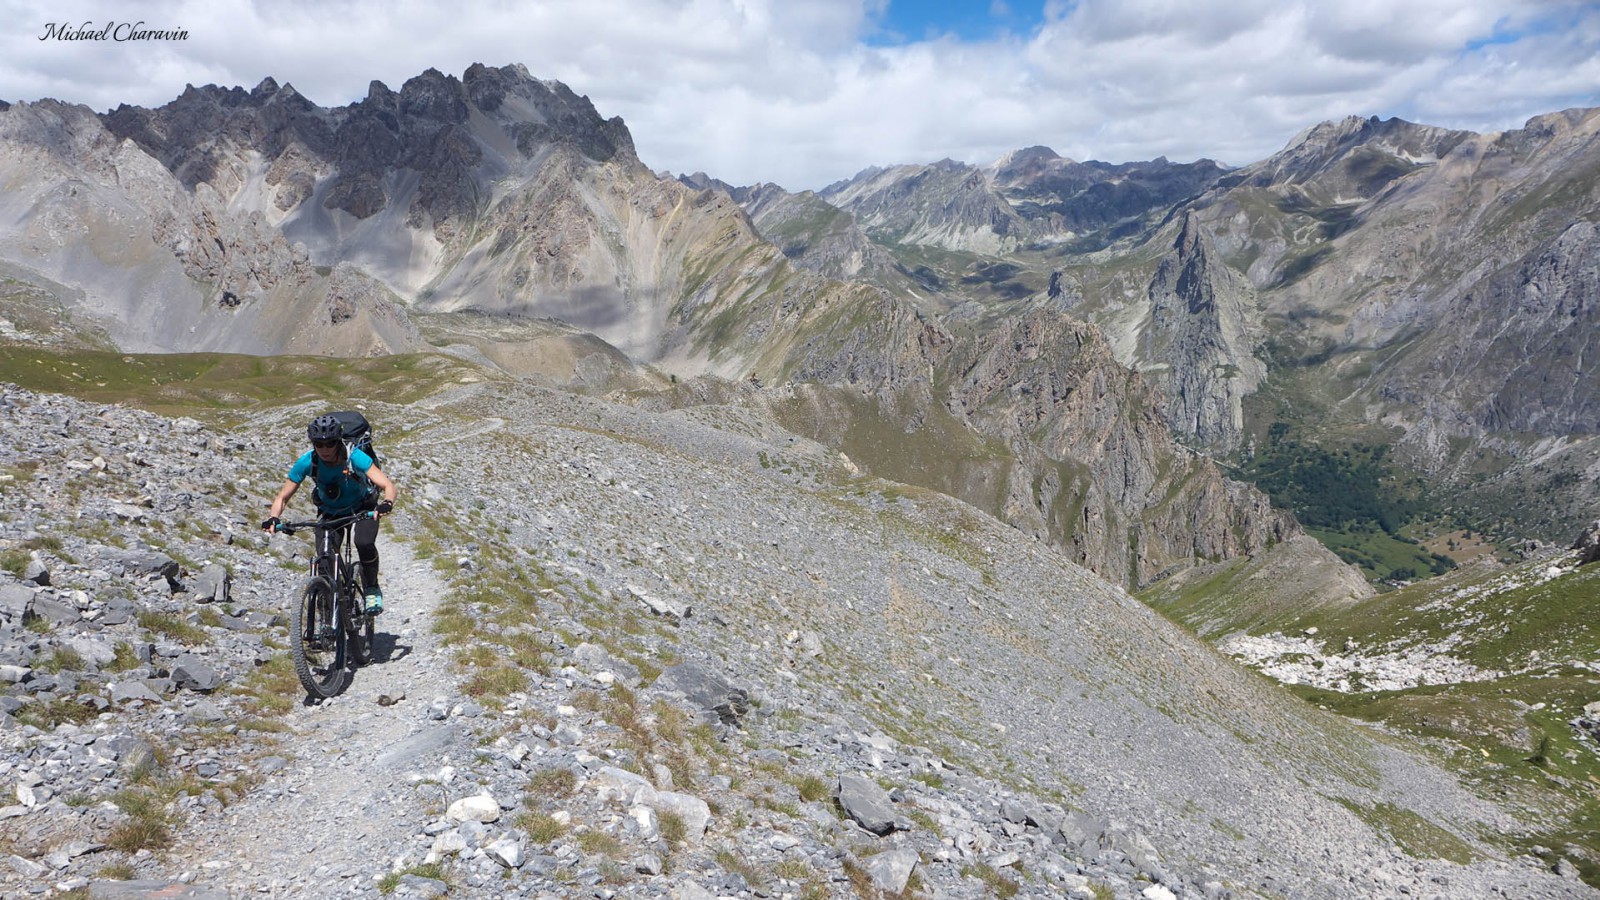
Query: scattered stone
[
  {"x": 867, "y": 803},
  {"x": 481, "y": 808},
  {"x": 192, "y": 673},
  {"x": 718, "y": 700},
  {"x": 891, "y": 870},
  {"x": 214, "y": 584}
]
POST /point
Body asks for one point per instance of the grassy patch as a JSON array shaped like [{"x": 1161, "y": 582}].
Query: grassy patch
[
  {"x": 148, "y": 826},
  {"x": 541, "y": 828},
  {"x": 999, "y": 884},
  {"x": 673, "y": 829},
  {"x": 1526, "y": 633},
  {"x": 225, "y": 385},
  {"x": 46, "y": 715},
  {"x": 600, "y": 843},
  {"x": 553, "y": 784},
  {"x": 272, "y": 688},
  {"x": 62, "y": 659},
  {"x": 391, "y": 880},
  {"x": 1414, "y": 834},
  {"x": 173, "y": 627},
  {"x": 14, "y": 561}
]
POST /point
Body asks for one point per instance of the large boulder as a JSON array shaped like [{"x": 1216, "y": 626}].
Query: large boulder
[
  {"x": 868, "y": 804},
  {"x": 718, "y": 700},
  {"x": 16, "y": 602},
  {"x": 1588, "y": 544}
]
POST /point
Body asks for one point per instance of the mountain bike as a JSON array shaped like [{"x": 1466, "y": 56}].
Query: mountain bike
[{"x": 331, "y": 631}]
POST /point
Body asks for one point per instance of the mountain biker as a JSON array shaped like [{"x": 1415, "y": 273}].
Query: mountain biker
[{"x": 346, "y": 481}]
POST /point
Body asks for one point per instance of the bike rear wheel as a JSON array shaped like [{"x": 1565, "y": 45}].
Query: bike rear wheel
[
  {"x": 360, "y": 626},
  {"x": 317, "y": 643}
]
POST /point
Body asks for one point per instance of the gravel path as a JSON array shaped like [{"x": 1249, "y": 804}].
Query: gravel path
[{"x": 321, "y": 818}]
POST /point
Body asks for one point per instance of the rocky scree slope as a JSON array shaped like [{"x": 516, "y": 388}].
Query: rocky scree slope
[
  {"x": 102, "y": 226},
  {"x": 888, "y": 685}
]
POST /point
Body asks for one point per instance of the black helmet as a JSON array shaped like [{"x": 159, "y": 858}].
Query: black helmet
[{"x": 324, "y": 429}]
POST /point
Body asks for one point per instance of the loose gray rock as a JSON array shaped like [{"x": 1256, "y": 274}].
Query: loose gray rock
[
  {"x": 149, "y": 562},
  {"x": 891, "y": 870},
  {"x": 867, "y": 803},
  {"x": 193, "y": 673},
  {"x": 214, "y": 585},
  {"x": 125, "y": 691},
  {"x": 718, "y": 700},
  {"x": 36, "y": 572},
  {"x": 16, "y": 602},
  {"x": 55, "y": 611},
  {"x": 1588, "y": 544}
]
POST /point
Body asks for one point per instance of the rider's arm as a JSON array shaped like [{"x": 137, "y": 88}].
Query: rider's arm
[
  {"x": 282, "y": 500},
  {"x": 291, "y": 483},
  {"x": 384, "y": 483}
]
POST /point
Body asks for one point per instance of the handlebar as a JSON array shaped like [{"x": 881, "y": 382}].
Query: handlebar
[{"x": 291, "y": 527}]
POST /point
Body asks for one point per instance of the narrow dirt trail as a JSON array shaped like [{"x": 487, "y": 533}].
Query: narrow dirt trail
[{"x": 328, "y": 822}]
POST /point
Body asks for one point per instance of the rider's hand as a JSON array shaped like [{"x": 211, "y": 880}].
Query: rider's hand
[
  {"x": 271, "y": 525},
  {"x": 384, "y": 507}
]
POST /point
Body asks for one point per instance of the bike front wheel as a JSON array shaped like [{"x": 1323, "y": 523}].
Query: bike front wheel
[{"x": 316, "y": 642}]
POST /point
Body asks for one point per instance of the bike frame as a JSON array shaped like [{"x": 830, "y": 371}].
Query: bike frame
[
  {"x": 344, "y": 618},
  {"x": 338, "y": 568}
]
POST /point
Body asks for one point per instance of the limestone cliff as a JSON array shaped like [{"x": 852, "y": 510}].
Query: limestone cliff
[{"x": 1201, "y": 340}]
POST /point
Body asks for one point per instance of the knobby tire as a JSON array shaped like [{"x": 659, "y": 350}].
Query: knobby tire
[
  {"x": 361, "y": 628},
  {"x": 318, "y": 653}
]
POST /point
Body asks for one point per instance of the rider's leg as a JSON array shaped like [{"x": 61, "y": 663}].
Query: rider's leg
[{"x": 365, "y": 534}]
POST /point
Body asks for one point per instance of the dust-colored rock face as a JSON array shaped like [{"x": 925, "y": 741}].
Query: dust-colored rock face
[
  {"x": 1509, "y": 356},
  {"x": 1201, "y": 340},
  {"x": 1050, "y": 383},
  {"x": 1088, "y": 462}
]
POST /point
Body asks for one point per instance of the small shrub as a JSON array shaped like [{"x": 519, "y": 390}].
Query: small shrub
[
  {"x": 172, "y": 626},
  {"x": 673, "y": 829},
  {"x": 46, "y": 715},
  {"x": 126, "y": 658},
  {"x": 541, "y": 828},
  {"x": 62, "y": 659},
  {"x": 812, "y": 789},
  {"x": 117, "y": 872},
  {"x": 1002, "y": 886},
  {"x": 734, "y": 862},
  {"x": 391, "y": 880},
  {"x": 147, "y": 828},
  {"x": 553, "y": 783},
  {"x": 598, "y": 842},
  {"x": 495, "y": 682}
]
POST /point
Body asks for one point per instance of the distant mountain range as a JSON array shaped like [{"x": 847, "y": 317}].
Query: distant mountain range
[{"x": 1066, "y": 345}]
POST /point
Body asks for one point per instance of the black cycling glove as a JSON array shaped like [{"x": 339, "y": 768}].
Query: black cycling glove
[
  {"x": 271, "y": 524},
  {"x": 384, "y": 507}
]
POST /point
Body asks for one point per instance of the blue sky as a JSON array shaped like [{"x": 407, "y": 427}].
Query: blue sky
[
  {"x": 978, "y": 20},
  {"x": 806, "y": 92}
]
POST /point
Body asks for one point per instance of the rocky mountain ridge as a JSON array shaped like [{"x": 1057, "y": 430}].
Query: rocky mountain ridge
[
  {"x": 279, "y": 226},
  {"x": 1412, "y": 285}
]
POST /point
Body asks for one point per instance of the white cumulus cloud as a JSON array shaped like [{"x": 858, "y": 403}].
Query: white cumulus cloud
[{"x": 803, "y": 94}]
